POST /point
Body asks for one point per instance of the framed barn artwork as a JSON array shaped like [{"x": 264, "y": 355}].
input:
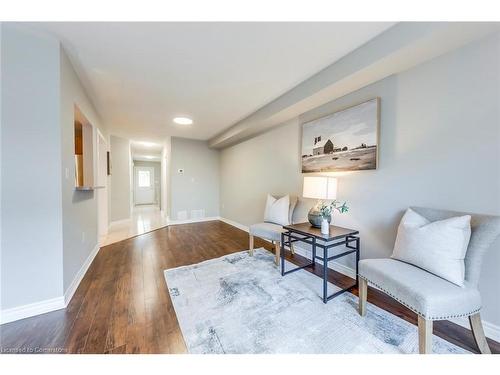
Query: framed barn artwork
[{"x": 346, "y": 140}]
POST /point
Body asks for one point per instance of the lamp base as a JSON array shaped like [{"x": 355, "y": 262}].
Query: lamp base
[{"x": 315, "y": 217}]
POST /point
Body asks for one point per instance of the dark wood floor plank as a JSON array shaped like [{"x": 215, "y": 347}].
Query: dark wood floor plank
[
  {"x": 77, "y": 338},
  {"x": 122, "y": 304},
  {"x": 96, "y": 340},
  {"x": 118, "y": 350},
  {"x": 153, "y": 304},
  {"x": 118, "y": 322},
  {"x": 135, "y": 339}
]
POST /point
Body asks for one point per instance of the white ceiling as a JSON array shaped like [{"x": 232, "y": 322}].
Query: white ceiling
[
  {"x": 141, "y": 75},
  {"x": 403, "y": 46},
  {"x": 146, "y": 151}
]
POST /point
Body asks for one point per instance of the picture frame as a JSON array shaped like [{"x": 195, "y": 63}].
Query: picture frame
[{"x": 345, "y": 140}]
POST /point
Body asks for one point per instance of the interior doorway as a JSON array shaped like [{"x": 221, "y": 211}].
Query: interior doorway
[{"x": 147, "y": 184}]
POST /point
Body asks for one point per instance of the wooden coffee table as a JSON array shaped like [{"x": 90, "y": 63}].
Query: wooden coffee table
[{"x": 338, "y": 236}]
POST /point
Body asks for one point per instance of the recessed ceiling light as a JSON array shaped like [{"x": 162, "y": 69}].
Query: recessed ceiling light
[
  {"x": 149, "y": 157},
  {"x": 183, "y": 121}
]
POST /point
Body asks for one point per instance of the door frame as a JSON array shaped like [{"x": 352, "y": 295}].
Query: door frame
[{"x": 102, "y": 192}]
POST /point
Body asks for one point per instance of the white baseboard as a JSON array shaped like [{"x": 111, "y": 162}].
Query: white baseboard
[
  {"x": 343, "y": 269},
  {"x": 53, "y": 304},
  {"x": 32, "y": 309},
  {"x": 118, "y": 222},
  {"x": 190, "y": 221},
  {"x": 234, "y": 224},
  {"x": 79, "y": 276}
]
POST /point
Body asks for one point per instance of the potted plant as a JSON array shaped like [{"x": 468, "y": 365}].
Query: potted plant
[{"x": 326, "y": 210}]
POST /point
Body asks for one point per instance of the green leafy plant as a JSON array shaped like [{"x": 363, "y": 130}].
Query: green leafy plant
[{"x": 326, "y": 210}]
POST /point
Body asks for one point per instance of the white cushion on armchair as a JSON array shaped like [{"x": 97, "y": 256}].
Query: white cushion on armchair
[
  {"x": 277, "y": 210},
  {"x": 268, "y": 231}
]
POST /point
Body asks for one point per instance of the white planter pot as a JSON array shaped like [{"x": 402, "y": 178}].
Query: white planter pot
[{"x": 325, "y": 226}]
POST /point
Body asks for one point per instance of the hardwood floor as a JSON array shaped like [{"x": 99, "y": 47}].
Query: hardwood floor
[{"x": 122, "y": 304}]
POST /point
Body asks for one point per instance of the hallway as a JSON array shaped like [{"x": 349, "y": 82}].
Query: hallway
[{"x": 145, "y": 218}]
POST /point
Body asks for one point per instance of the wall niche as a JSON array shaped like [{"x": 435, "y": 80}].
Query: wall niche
[{"x": 84, "y": 137}]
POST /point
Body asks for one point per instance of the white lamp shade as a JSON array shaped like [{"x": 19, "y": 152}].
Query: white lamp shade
[{"x": 320, "y": 187}]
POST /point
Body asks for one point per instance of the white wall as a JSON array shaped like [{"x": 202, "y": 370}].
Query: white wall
[
  {"x": 198, "y": 187},
  {"x": 265, "y": 164},
  {"x": 439, "y": 147},
  {"x": 165, "y": 178},
  {"x": 80, "y": 216},
  {"x": 120, "y": 198},
  {"x": 52, "y": 227},
  {"x": 32, "y": 241}
]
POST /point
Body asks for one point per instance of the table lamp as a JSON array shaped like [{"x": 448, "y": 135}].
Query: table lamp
[{"x": 320, "y": 188}]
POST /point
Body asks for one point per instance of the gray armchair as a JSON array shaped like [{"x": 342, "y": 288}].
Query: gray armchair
[
  {"x": 429, "y": 296},
  {"x": 272, "y": 231}
]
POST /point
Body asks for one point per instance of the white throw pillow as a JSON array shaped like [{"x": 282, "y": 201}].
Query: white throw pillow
[
  {"x": 293, "y": 203},
  {"x": 438, "y": 247},
  {"x": 277, "y": 210}
]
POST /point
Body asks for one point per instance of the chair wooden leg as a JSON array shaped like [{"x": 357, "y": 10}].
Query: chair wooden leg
[
  {"x": 250, "y": 247},
  {"x": 424, "y": 335},
  {"x": 363, "y": 295},
  {"x": 478, "y": 333},
  {"x": 277, "y": 249},
  {"x": 292, "y": 249}
]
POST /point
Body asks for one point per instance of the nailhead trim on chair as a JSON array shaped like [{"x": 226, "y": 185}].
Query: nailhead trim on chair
[{"x": 416, "y": 311}]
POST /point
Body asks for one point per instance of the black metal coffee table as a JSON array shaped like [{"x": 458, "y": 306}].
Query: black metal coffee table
[{"x": 338, "y": 236}]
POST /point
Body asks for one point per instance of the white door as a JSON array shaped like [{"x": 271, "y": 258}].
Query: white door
[{"x": 144, "y": 185}]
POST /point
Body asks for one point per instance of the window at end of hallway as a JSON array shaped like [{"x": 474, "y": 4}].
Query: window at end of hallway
[{"x": 144, "y": 179}]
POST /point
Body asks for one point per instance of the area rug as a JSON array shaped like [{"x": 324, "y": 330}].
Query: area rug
[{"x": 242, "y": 304}]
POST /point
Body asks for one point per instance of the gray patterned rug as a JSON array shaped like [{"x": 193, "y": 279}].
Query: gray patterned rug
[{"x": 242, "y": 304}]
